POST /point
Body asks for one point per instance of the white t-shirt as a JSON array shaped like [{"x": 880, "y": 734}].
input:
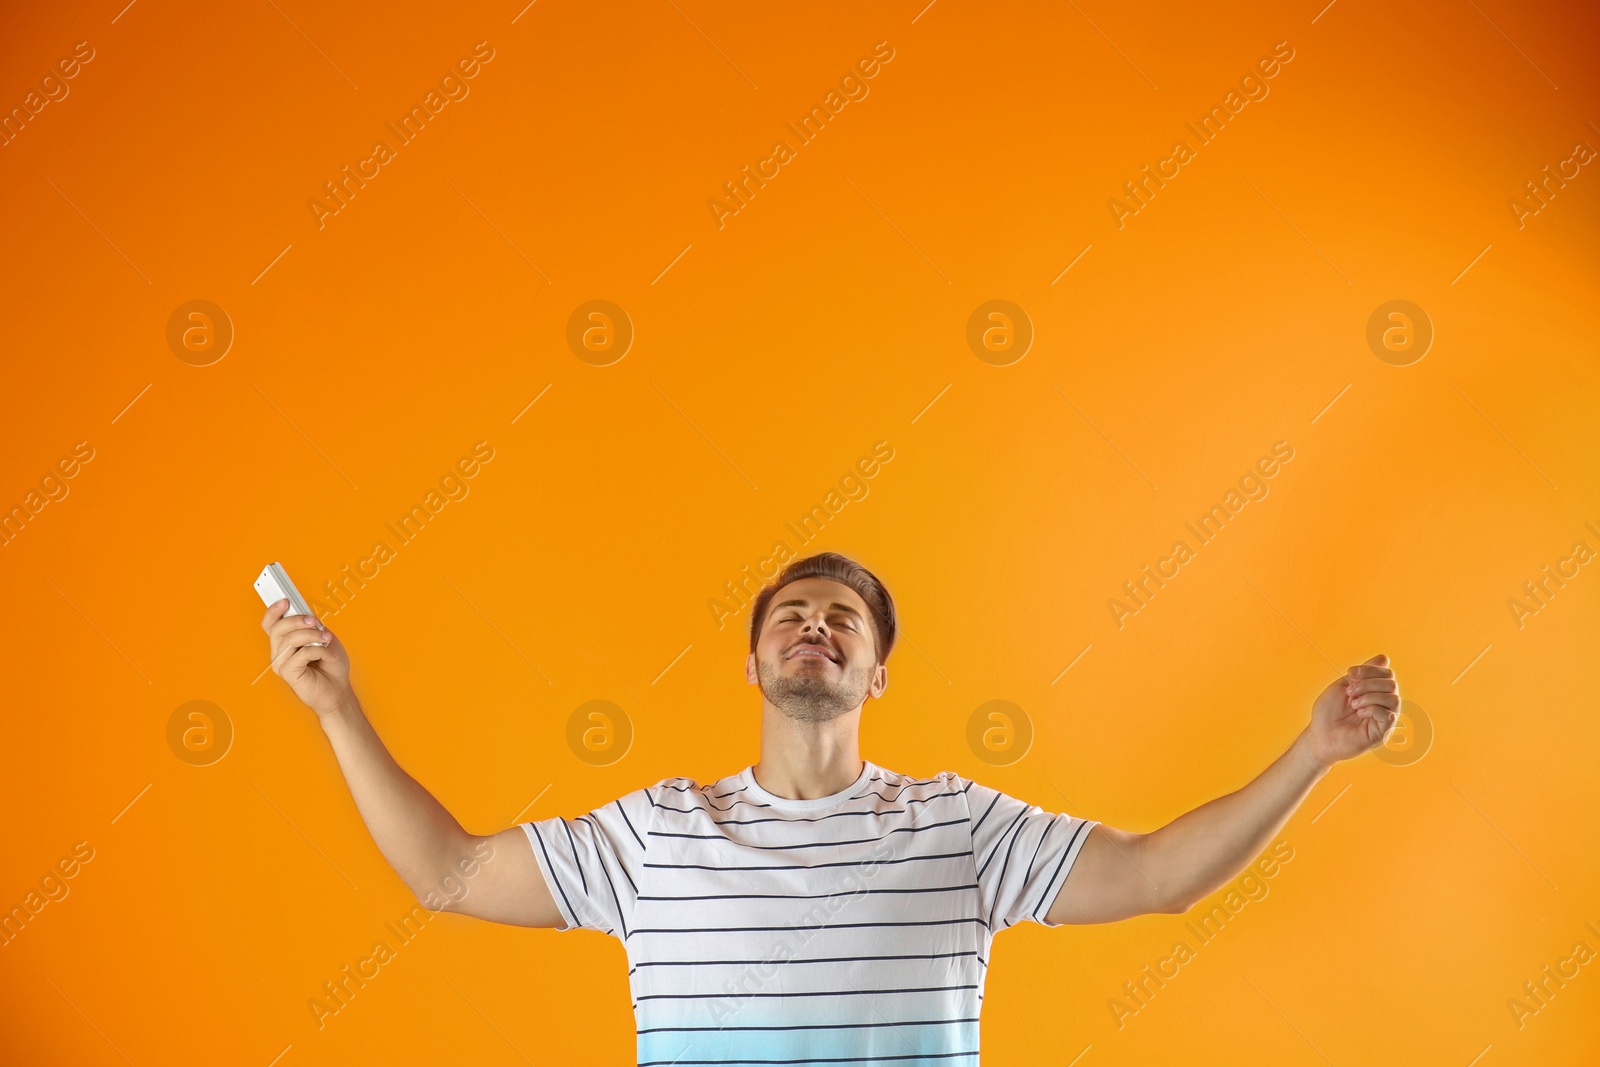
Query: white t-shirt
[{"x": 852, "y": 927}]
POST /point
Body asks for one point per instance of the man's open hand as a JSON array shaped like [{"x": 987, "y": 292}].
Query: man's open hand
[{"x": 1356, "y": 712}]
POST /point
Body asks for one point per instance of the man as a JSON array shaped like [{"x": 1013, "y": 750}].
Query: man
[{"x": 814, "y": 907}]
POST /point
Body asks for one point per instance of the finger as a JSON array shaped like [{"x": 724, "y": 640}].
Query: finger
[
  {"x": 274, "y": 613},
  {"x": 303, "y": 657},
  {"x": 1373, "y": 685},
  {"x": 293, "y": 623},
  {"x": 284, "y": 646},
  {"x": 1376, "y": 703},
  {"x": 302, "y": 636},
  {"x": 1379, "y": 713},
  {"x": 1368, "y": 670},
  {"x": 287, "y": 645}
]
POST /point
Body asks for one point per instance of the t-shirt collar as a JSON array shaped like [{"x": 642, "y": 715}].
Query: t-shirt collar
[{"x": 747, "y": 776}]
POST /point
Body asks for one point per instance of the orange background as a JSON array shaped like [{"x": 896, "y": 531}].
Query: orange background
[{"x": 827, "y": 315}]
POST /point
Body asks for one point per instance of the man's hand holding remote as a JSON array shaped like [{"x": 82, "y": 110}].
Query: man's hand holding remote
[
  {"x": 422, "y": 841},
  {"x": 309, "y": 658}
]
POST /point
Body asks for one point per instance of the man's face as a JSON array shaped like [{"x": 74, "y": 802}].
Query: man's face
[{"x": 816, "y": 658}]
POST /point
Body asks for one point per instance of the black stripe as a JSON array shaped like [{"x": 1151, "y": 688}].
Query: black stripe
[
  {"x": 880, "y": 796},
  {"x": 901, "y": 786},
  {"x": 636, "y": 837},
  {"x": 914, "y": 800},
  {"x": 1065, "y": 853},
  {"x": 1001, "y": 841},
  {"x": 809, "y": 1026},
  {"x": 1028, "y": 875},
  {"x": 776, "y": 818},
  {"x": 817, "y": 844},
  {"x": 819, "y": 818},
  {"x": 601, "y": 860},
  {"x": 697, "y": 789},
  {"x": 736, "y": 803},
  {"x": 730, "y": 793},
  {"x": 1005, "y": 865},
  {"x": 826, "y": 926},
  {"x": 808, "y": 1059},
  {"x": 623, "y": 867},
  {"x": 576, "y": 859},
  {"x": 804, "y": 866},
  {"x": 712, "y": 806},
  {"x": 552, "y": 867},
  {"x": 819, "y": 959},
  {"x": 816, "y": 993},
  {"x": 979, "y": 823},
  {"x": 920, "y": 781},
  {"x": 817, "y": 896}
]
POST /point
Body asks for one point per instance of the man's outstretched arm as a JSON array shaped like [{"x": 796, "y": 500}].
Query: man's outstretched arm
[
  {"x": 491, "y": 877},
  {"x": 1120, "y": 874}
]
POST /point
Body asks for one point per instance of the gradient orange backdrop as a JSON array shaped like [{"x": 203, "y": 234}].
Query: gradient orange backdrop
[{"x": 827, "y": 315}]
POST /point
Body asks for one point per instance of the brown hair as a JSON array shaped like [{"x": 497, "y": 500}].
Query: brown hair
[{"x": 842, "y": 569}]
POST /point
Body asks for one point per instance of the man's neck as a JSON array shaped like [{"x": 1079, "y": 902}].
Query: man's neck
[{"x": 808, "y": 760}]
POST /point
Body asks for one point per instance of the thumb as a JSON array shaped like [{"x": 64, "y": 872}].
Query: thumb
[{"x": 1380, "y": 660}]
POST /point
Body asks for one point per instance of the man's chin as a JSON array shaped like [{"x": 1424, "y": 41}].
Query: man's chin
[
  {"x": 805, "y": 700},
  {"x": 808, "y": 711}
]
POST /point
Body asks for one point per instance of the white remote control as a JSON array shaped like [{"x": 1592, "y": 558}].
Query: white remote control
[{"x": 274, "y": 585}]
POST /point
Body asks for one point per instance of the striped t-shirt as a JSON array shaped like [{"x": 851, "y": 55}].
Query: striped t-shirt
[{"x": 849, "y": 928}]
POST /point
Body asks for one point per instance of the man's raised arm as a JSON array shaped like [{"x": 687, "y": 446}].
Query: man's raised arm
[
  {"x": 1120, "y": 874},
  {"x": 491, "y": 877}
]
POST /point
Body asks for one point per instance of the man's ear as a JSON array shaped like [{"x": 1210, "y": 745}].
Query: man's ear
[
  {"x": 880, "y": 680},
  {"x": 751, "y": 677}
]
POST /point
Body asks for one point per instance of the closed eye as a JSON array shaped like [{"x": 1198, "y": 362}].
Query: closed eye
[{"x": 847, "y": 622}]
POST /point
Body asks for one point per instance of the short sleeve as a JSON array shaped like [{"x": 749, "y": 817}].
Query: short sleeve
[
  {"x": 592, "y": 863},
  {"x": 1023, "y": 855}
]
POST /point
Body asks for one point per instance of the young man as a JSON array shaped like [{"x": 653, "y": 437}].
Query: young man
[{"x": 814, "y": 907}]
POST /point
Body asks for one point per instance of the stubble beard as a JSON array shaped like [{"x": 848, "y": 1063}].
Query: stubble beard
[{"x": 815, "y": 698}]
